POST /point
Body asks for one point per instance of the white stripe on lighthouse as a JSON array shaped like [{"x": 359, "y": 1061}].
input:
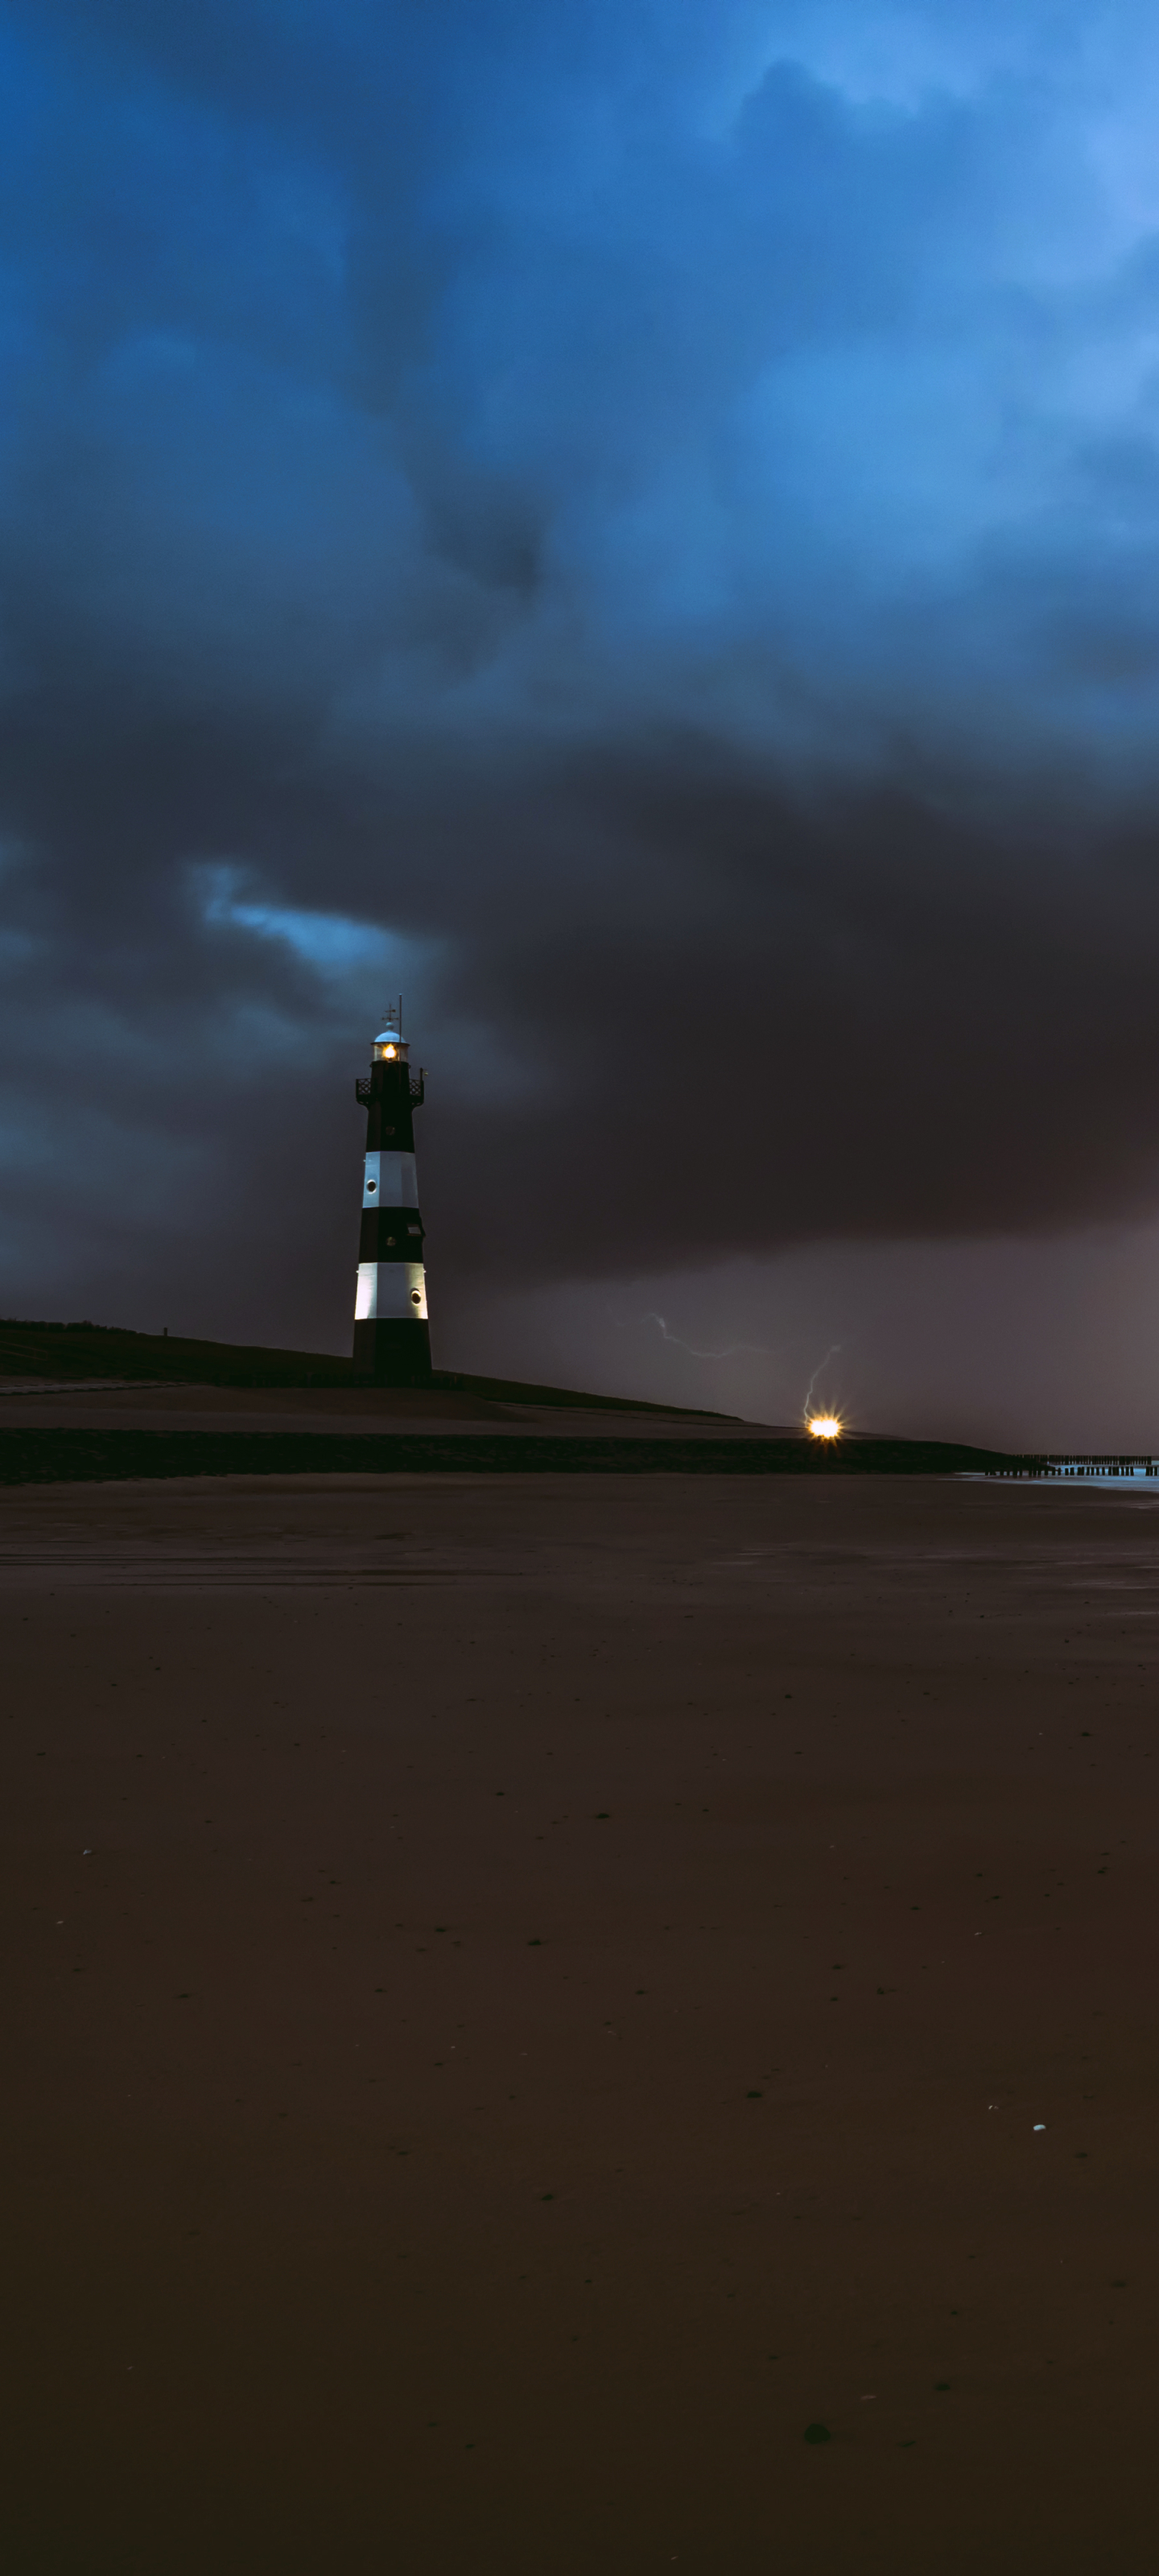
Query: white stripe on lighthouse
[
  {"x": 391, "y": 1289},
  {"x": 390, "y": 1180}
]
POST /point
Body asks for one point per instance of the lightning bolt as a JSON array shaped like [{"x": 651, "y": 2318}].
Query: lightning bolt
[
  {"x": 830, "y": 1354},
  {"x": 734, "y": 1348}
]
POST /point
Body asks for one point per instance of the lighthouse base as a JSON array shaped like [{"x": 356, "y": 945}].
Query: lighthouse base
[{"x": 393, "y": 1352}]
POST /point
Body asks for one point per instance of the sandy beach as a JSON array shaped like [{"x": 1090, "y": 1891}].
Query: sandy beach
[{"x": 526, "y": 1994}]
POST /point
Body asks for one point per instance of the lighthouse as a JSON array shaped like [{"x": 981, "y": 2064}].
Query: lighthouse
[{"x": 392, "y": 1338}]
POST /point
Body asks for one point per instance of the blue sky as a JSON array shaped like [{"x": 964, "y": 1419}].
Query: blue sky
[{"x": 626, "y": 512}]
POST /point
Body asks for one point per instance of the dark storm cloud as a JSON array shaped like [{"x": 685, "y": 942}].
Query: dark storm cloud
[{"x": 640, "y": 522}]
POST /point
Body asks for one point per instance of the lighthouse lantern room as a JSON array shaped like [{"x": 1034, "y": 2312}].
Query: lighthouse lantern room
[{"x": 392, "y": 1339}]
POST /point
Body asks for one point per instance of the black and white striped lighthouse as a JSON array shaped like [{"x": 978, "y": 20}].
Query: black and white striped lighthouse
[{"x": 392, "y": 1338}]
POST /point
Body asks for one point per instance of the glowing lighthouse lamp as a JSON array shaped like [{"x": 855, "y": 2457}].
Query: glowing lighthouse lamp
[
  {"x": 392, "y": 1337},
  {"x": 825, "y": 1426}
]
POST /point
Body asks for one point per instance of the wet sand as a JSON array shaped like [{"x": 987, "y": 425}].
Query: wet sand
[{"x": 526, "y": 1994}]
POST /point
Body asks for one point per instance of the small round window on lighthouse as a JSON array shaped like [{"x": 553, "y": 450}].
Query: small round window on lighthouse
[
  {"x": 371, "y": 1187},
  {"x": 416, "y": 1297}
]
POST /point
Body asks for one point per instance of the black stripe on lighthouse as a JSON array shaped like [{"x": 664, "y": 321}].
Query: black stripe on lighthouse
[{"x": 392, "y": 1342}]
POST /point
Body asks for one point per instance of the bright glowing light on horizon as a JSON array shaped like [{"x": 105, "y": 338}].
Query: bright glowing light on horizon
[{"x": 825, "y": 1426}]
